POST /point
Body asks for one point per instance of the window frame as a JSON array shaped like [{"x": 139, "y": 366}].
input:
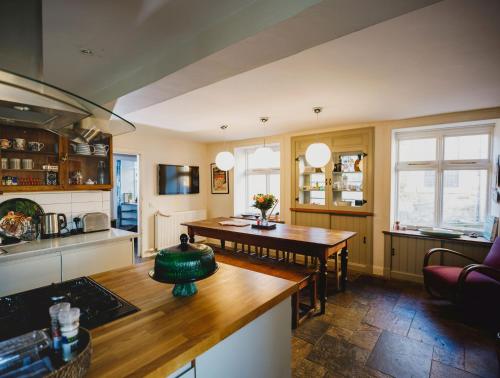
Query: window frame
[
  {"x": 258, "y": 171},
  {"x": 440, "y": 165}
]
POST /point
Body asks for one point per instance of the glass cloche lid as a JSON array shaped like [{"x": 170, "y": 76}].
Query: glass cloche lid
[{"x": 184, "y": 264}]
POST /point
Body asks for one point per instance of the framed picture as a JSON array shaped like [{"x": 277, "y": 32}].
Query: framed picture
[{"x": 219, "y": 180}]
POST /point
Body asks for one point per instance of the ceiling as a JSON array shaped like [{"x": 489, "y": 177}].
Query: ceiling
[
  {"x": 440, "y": 58},
  {"x": 137, "y": 42}
]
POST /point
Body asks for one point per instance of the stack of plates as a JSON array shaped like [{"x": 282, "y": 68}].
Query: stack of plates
[
  {"x": 101, "y": 149},
  {"x": 83, "y": 149}
]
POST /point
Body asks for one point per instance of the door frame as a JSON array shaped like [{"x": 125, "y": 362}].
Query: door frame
[{"x": 140, "y": 165}]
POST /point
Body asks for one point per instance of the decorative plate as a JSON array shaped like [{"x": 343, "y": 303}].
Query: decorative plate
[
  {"x": 440, "y": 232},
  {"x": 18, "y": 218}
]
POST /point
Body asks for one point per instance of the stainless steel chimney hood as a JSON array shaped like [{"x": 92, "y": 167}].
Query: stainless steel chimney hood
[{"x": 29, "y": 102}]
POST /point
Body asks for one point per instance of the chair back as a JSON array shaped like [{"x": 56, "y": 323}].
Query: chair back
[{"x": 493, "y": 257}]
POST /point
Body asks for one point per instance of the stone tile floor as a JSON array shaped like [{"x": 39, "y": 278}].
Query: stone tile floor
[{"x": 380, "y": 328}]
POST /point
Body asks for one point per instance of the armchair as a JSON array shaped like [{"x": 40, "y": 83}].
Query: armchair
[{"x": 475, "y": 286}]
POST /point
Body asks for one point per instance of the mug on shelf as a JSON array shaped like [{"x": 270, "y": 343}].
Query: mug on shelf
[
  {"x": 19, "y": 144},
  {"x": 5, "y": 144},
  {"x": 15, "y": 163},
  {"x": 27, "y": 163},
  {"x": 35, "y": 146}
]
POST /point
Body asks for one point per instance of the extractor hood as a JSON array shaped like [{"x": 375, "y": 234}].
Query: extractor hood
[{"x": 25, "y": 100}]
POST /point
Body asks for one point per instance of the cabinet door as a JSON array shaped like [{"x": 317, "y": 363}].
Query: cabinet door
[
  {"x": 351, "y": 173},
  {"x": 97, "y": 258},
  {"x": 360, "y": 251},
  {"x": 29, "y": 273},
  {"x": 408, "y": 256},
  {"x": 477, "y": 252}
]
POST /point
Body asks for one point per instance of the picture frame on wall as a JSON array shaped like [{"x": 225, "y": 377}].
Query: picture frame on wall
[{"x": 219, "y": 180}]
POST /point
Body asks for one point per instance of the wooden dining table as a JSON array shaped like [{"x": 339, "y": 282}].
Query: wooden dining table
[{"x": 309, "y": 241}]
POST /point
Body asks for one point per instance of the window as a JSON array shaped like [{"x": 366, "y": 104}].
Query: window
[
  {"x": 442, "y": 177},
  {"x": 253, "y": 176}
]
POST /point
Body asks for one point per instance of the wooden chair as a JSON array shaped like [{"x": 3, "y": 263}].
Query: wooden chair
[{"x": 305, "y": 277}]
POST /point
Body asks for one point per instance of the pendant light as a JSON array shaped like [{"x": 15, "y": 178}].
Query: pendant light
[
  {"x": 318, "y": 154},
  {"x": 263, "y": 154},
  {"x": 224, "y": 159}
]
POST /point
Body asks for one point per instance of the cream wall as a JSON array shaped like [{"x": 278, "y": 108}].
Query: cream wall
[
  {"x": 223, "y": 205},
  {"x": 157, "y": 146}
]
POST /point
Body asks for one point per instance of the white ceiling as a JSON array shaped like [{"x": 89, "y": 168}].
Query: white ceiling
[{"x": 441, "y": 58}]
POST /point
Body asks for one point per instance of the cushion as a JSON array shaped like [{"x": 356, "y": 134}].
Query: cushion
[
  {"x": 479, "y": 288},
  {"x": 493, "y": 257}
]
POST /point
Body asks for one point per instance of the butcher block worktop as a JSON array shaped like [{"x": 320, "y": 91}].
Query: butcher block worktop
[{"x": 169, "y": 332}]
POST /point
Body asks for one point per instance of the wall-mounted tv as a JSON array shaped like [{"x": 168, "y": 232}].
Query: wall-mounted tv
[{"x": 178, "y": 179}]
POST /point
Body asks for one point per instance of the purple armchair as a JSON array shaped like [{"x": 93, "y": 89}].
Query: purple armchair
[{"x": 476, "y": 287}]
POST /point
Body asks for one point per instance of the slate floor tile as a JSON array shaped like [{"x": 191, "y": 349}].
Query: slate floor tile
[
  {"x": 300, "y": 350},
  {"x": 339, "y": 356},
  {"x": 312, "y": 330},
  {"x": 400, "y": 356},
  {"x": 481, "y": 359},
  {"x": 308, "y": 369},
  {"x": 440, "y": 370},
  {"x": 394, "y": 321}
]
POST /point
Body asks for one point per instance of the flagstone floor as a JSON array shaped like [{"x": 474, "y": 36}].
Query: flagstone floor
[{"x": 380, "y": 328}]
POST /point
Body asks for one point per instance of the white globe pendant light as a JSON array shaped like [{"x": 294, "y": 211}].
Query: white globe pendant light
[
  {"x": 318, "y": 155},
  {"x": 224, "y": 160}
]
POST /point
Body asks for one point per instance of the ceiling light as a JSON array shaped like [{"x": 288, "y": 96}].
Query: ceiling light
[
  {"x": 224, "y": 159},
  {"x": 263, "y": 154},
  {"x": 318, "y": 154}
]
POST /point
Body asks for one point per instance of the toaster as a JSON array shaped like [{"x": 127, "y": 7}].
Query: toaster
[{"x": 92, "y": 222}]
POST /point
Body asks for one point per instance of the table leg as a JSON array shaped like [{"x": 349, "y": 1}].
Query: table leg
[
  {"x": 223, "y": 244},
  {"x": 344, "y": 255},
  {"x": 322, "y": 284},
  {"x": 191, "y": 235}
]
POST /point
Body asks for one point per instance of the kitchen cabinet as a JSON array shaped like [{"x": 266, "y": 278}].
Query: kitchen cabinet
[
  {"x": 96, "y": 258},
  {"x": 38, "y": 160},
  {"x": 29, "y": 273},
  {"x": 359, "y": 247},
  {"x": 345, "y": 184},
  {"x": 405, "y": 251},
  {"x": 340, "y": 195}
]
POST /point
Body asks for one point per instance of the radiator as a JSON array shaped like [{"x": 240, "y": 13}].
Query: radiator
[{"x": 168, "y": 227}]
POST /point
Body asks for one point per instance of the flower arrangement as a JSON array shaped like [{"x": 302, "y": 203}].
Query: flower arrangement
[{"x": 264, "y": 202}]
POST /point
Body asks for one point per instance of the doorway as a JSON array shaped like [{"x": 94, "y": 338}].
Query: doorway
[{"x": 125, "y": 198}]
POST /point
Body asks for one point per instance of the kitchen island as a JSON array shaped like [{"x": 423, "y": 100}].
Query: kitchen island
[
  {"x": 238, "y": 325},
  {"x": 28, "y": 265}
]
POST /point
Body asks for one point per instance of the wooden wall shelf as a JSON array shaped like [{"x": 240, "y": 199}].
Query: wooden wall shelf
[{"x": 66, "y": 161}]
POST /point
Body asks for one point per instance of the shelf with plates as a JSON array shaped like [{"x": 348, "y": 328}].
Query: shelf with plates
[{"x": 34, "y": 159}]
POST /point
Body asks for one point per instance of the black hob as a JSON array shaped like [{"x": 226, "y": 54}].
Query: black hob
[{"x": 29, "y": 310}]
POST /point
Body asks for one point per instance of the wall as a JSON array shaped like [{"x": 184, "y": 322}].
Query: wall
[
  {"x": 222, "y": 205},
  {"x": 72, "y": 204},
  {"x": 157, "y": 146}
]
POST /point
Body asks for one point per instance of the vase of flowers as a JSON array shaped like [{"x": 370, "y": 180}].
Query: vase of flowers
[{"x": 264, "y": 202}]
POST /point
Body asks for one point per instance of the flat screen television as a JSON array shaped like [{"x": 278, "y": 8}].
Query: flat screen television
[{"x": 178, "y": 179}]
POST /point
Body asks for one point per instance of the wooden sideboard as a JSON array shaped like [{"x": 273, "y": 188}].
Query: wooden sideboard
[{"x": 404, "y": 252}]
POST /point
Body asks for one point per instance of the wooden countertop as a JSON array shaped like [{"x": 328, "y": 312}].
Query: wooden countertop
[
  {"x": 418, "y": 234},
  {"x": 169, "y": 332}
]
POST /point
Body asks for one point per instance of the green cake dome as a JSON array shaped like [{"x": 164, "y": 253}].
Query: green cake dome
[{"x": 183, "y": 265}]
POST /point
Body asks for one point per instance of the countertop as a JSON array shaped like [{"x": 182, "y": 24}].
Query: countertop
[
  {"x": 44, "y": 246},
  {"x": 169, "y": 332},
  {"x": 461, "y": 239}
]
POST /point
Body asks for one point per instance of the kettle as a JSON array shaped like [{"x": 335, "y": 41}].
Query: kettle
[{"x": 52, "y": 224}]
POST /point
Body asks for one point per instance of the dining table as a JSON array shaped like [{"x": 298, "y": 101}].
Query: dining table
[{"x": 308, "y": 241}]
